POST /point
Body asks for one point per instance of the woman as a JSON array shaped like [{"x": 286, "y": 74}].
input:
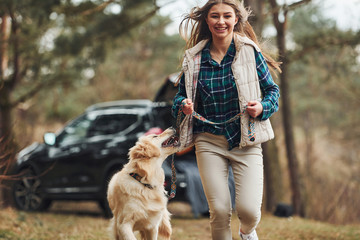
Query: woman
[{"x": 226, "y": 75}]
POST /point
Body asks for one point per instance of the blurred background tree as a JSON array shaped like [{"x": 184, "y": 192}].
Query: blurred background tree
[
  {"x": 58, "y": 45},
  {"x": 310, "y": 45},
  {"x": 294, "y": 41},
  {"x": 324, "y": 70},
  {"x": 135, "y": 66},
  {"x": 273, "y": 177},
  {"x": 280, "y": 17}
]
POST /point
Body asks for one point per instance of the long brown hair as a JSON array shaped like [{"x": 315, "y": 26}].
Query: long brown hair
[{"x": 199, "y": 29}]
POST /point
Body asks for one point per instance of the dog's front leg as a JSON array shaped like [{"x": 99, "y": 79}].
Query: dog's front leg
[
  {"x": 150, "y": 234},
  {"x": 125, "y": 232},
  {"x": 165, "y": 226}
]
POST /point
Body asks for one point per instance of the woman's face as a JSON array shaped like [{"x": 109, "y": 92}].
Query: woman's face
[{"x": 221, "y": 20}]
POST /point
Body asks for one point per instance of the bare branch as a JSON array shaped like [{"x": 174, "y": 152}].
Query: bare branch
[
  {"x": 170, "y": 2},
  {"x": 97, "y": 8},
  {"x": 32, "y": 92},
  {"x": 275, "y": 9},
  {"x": 296, "y": 4},
  {"x": 4, "y": 36},
  {"x": 105, "y": 4},
  {"x": 323, "y": 43},
  {"x": 16, "y": 52},
  {"x": 132, "y": 24},
  {"x": 6, "y": 157}
]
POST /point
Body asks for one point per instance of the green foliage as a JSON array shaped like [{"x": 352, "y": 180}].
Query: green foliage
[
  {"x": 56, "y": 44},
  {"x": 324, "y": 73},
  {"x": 310, "y": 21},
  {"x": 52, "y": 42},
  {"x": 135, "y": 67}
]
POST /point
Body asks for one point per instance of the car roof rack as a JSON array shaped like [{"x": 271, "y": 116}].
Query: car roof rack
[{"x": 136, "y": 103}]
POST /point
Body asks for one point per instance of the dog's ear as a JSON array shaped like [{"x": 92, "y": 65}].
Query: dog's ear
[
  {"x": 144, "y": 149},
  {"x": 141, "y": 153}
]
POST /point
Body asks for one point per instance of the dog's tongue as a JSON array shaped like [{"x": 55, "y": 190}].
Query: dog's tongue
[{"x": 170, "y": 141}]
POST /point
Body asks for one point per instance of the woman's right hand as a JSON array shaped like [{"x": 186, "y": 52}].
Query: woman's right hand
[{"x": 187, "y": 106}]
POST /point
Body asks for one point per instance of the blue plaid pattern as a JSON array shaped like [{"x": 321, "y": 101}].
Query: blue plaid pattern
[
  {"x": 217, "y": 95},
  {"x": 269, "y": 89}
]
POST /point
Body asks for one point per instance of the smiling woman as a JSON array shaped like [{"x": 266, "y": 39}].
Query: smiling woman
[
  {"x": 224, "y": 73},
  {"x": 221, "y": 20}
]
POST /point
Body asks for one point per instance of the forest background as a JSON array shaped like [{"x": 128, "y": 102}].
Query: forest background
[{"x": 59, "y": 56}]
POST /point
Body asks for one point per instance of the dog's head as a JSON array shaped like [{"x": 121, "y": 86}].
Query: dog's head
[{"x": 153, "y": 149}]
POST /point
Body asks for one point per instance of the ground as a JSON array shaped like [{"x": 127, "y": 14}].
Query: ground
[{"x": 83, "y": 221}]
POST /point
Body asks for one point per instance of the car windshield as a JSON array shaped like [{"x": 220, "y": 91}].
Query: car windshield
[
  {"x": 75, "y": 132},
  {"x": 90, "y": 125},
  {"x": 111, "y": 124}
]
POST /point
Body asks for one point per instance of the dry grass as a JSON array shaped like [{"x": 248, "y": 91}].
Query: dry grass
[
  {"x": 62, "y": 222},
  {"x": 43, "y": 226}
]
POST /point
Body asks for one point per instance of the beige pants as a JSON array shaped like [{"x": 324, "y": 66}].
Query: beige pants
[{"x": 213, "y": 159}]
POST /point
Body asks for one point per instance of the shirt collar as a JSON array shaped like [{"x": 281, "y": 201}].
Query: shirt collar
[{"x": 206, "y": 56}]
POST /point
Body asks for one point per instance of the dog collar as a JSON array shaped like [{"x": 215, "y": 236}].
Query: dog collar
[{"x": 138, "y": 178}]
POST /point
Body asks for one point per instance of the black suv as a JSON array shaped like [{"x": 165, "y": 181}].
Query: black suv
[{"x": 77, "y": 162}]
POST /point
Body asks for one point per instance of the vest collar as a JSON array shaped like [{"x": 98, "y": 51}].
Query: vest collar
[{"x": 238, "y": 39}]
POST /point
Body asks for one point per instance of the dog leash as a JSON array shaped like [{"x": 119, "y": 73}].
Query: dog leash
[
  {"x": 138, "y": 178},
  {"x": 251, "y": 136},
  {"x": 173, "y": 178},
  {"x": 251, "y": 131}
]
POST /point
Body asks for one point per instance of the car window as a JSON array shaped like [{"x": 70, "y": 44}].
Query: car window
[
  {"x": 75, "y": 132},
  {"x": 111, "y": 124}
]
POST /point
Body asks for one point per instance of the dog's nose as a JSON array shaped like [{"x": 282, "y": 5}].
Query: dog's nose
[{"x": 173, "y": 129}]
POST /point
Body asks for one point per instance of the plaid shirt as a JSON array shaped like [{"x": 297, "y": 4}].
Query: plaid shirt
[{"x": 217, "y": 97}]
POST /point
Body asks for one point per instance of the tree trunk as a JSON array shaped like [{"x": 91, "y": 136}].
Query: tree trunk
[
  {"x": 7, "y": 148},
  {"x": 4, "y": 36},
  {"x": 273, "y": 176},
  {"x": 257, "y": 20},
  {"x": 309, "y": 142},
  {"x": 297, "y": 198},
  {"x": 295, "y": 179}
]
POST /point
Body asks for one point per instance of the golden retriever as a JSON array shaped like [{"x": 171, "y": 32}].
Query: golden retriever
[{"x": 136, "y": 194}]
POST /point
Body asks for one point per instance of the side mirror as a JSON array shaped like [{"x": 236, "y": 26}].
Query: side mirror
[{"x": 50, "y": 138}]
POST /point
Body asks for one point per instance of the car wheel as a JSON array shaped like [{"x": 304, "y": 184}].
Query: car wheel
[
  {"x": 103, "y": 203},
  {"x": 26, "y": 192}
]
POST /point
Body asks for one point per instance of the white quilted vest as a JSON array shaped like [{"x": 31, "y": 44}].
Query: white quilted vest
[{"x": 247, "y": 82}]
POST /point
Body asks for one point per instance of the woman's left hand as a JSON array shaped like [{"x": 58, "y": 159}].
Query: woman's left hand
[{"x": 254, "y": 108}]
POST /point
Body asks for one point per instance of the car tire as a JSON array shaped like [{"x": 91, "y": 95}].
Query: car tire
[
  {"x": 26, "y": 192},
  {"x": 103, "y": 203}
]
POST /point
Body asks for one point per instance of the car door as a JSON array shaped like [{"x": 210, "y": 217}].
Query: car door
[
  {"x": 107, "y": 129},
  {"x": 71, "y": 155}
]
